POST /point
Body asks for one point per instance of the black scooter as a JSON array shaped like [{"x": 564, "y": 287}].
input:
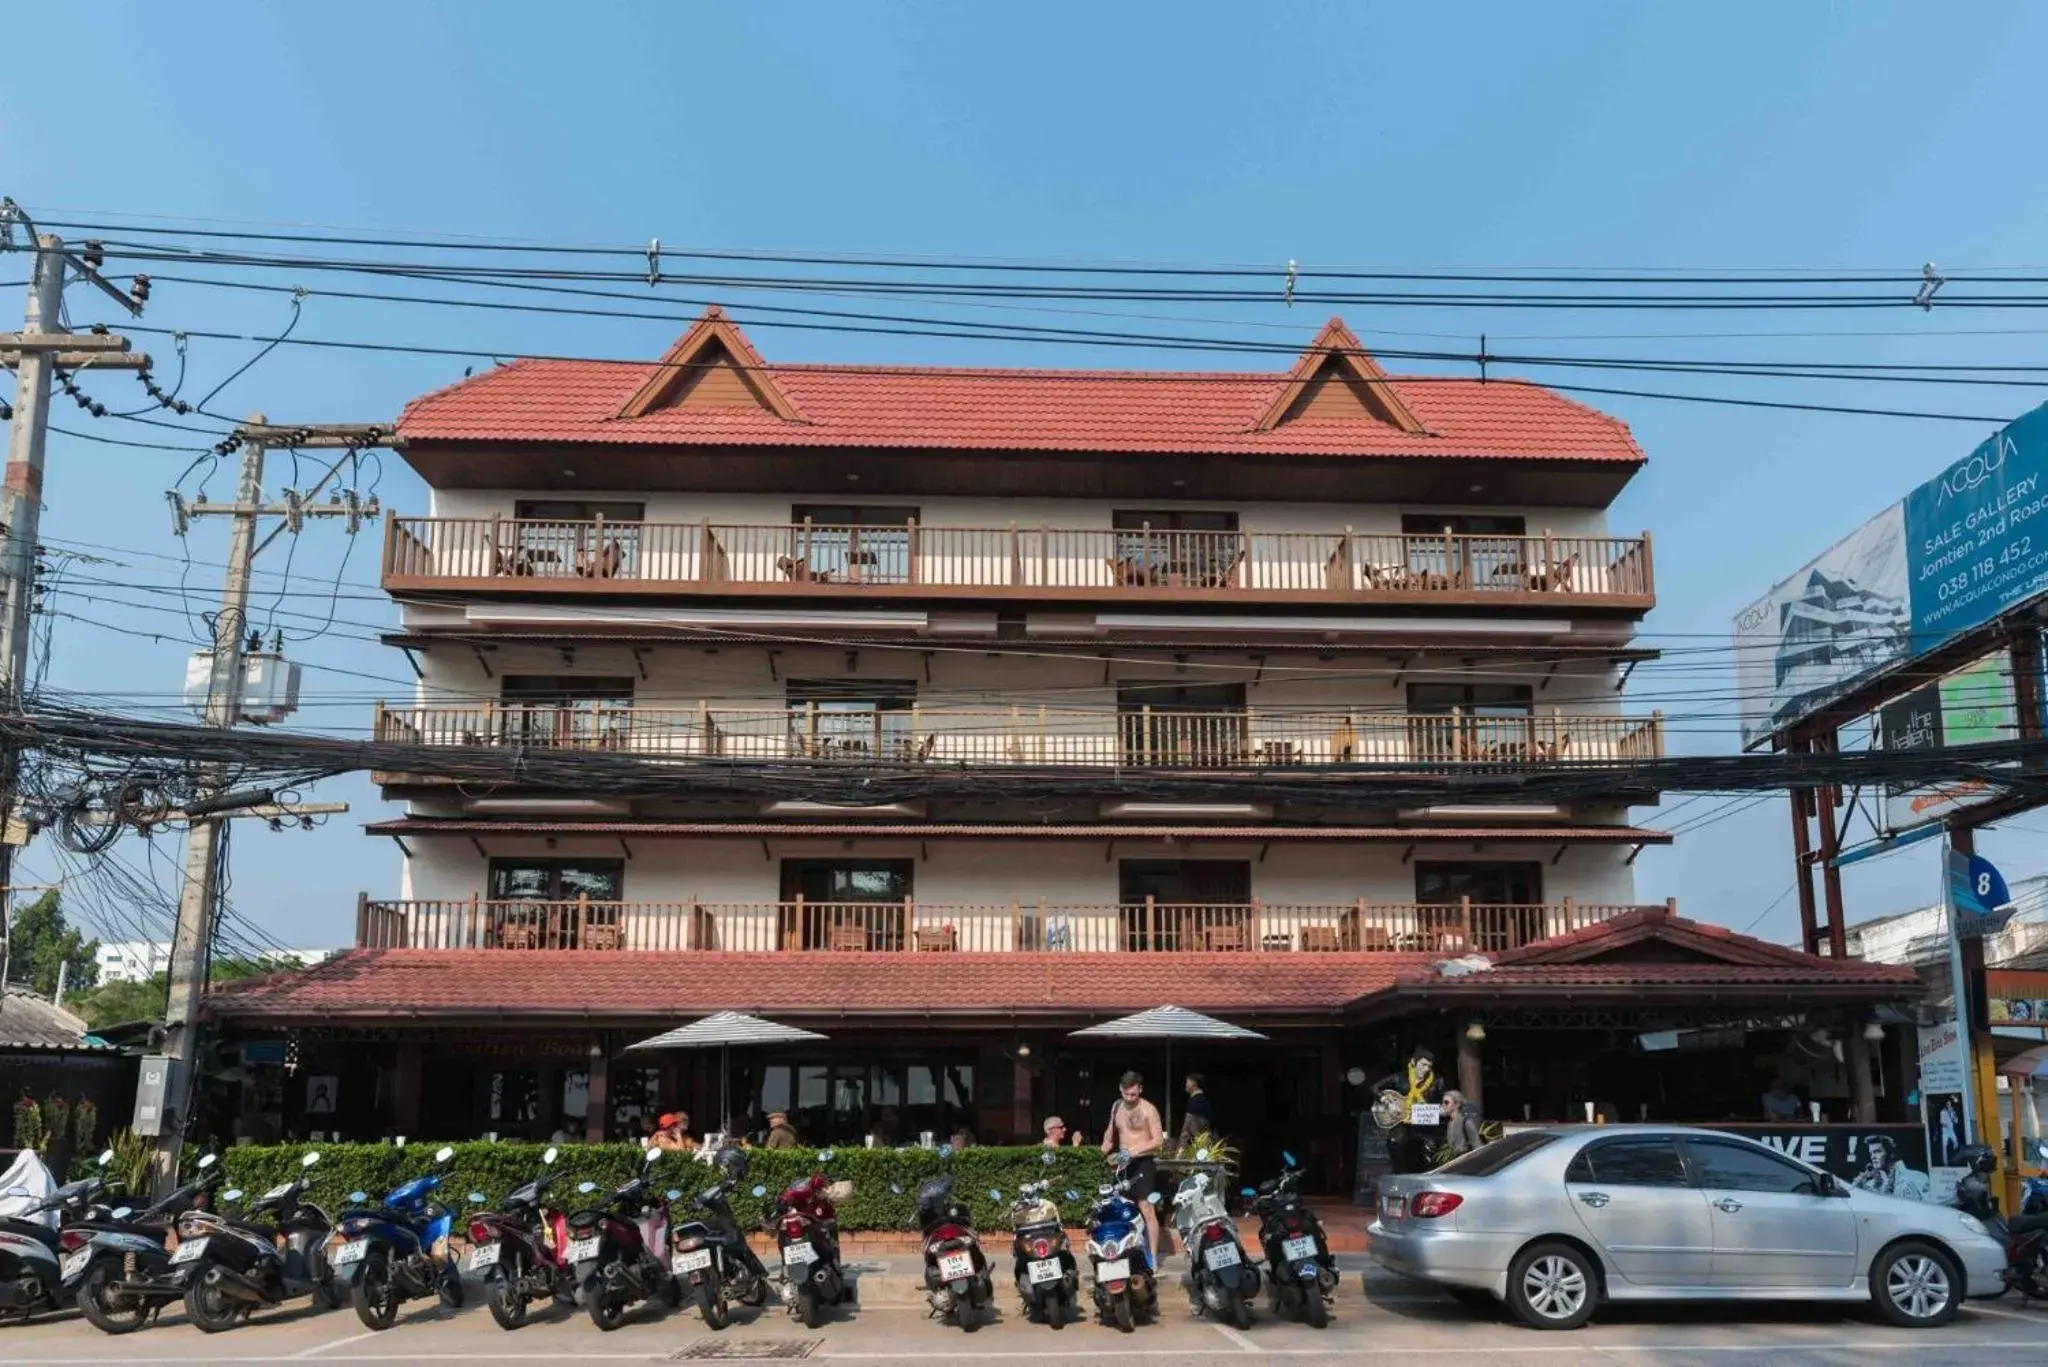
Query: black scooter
[
  {"x": 126, "y": 1279},
  {"x": 40, "y": 1267},
  {"x": 710, "y": 1256},
  {"x": 231, "y": 1267},
  {"x": 1301, "y": 1270}
]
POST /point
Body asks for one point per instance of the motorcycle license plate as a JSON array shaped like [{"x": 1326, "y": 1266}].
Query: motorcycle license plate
[
  {"x": 189, "y": 1252},
  {"x": 74, "y": 1263},
  {"x": 799, "y": 1255},
  {"x": 483, "y": 1256},
  {"x": 1303, "y": 1246},
  {"x": 1222, "y": 1255},
  {"x": 354, "y": 1251},
  {"x": 1118, "y": 1271},
  {"x": 583, "y": 1250},
  {"x": 955, "y": 1267},
  {"x": 695, "y": 1261},
  {"x": 1044, "y": 1270}
]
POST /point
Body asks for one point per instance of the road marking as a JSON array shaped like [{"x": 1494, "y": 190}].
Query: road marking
[
  {"x": 1243, "y": 1343},
  {"x": 2007, "y": 1314},
  {"x": 338, "y": 1343}
]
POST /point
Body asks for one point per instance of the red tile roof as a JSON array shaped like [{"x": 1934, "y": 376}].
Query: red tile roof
[
  {"x": 602, "y": 985},
  {"x": 939, "y": 830},
  {"x": 944, "y": 408}
]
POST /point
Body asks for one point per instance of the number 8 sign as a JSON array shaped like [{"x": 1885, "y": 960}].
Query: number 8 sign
[{"x": 1978, "y": 893}]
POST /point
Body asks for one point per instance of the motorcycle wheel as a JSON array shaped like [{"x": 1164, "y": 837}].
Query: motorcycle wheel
[
  {"x": 110, "y": 1312},
  {"x": 1120, "y": 1306},
  {"x": 450, "y": 1287},
  {"x": 209, "y": 1307},
  {"x": 607, "y": 1312},
  {"x": 712, "y": 1306},
  {"x": 1056, "y": 1310},
  {"x": 505, "y": 1298},
  {"x": 328, "y": 1295},
  {"x": 807, "y": 1308},
  {"x": 1239, "y": 1308},
  {"x": 672, "y": 1293},
  {"x": 967, "y": 1311},
  {"x": 373, "y": 1295},
  {"x": 1314, "y": 1311},
  {"x": 756, "y": 1293}
]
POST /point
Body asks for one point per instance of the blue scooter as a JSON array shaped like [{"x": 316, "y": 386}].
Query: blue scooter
[
  {"x": 1126, "y": 1280},
  {"x": 391, "y": 1257}
]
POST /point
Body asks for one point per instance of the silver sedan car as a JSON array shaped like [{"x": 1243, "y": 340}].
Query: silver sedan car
[{"x": 1553, "y": 1222}]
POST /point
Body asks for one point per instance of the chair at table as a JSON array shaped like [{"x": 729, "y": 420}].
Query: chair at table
[
  {"x": 601, "y": 929},
  {"x": 848, "y": 935},
  {"x": 934, "y": 939},
  {"x": 1319, "y": 940},
  {"x": 1223, "y": 937}
]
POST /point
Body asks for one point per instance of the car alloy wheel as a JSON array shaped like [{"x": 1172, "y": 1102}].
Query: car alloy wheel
[
  {"x": 1918, "y": 1285},
  {"x": 1555, "y": 1287}
]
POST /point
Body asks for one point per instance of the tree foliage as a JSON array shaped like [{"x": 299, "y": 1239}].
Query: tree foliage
[
  {"x": 117, "y": 1003},
  {"x": 41, "y": 942}
]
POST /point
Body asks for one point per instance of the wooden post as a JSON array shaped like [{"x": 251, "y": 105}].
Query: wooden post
[
  {"x": 811, "y": 727},
  {"x": 810, "y": 571},
  {"x": 1257, "y": 926},
  {"x": 1041, "y": 733},
  {"x": 914, "y": 549},
  {"x": 494, "y": 545},
  {"x": 1470, "y": 1081},
  {"x": 597, "y": 1093},
  {"x": 909, "y": 939},
  {"x": 706, "y": 745},
  {"x": 472, "y": 935},
  {"x": 1567, "y": 927},
  {"x": 1450, "y": 559},
  {"x": 596, "y": 548},
  {"x": 1151, "y": 920},
  {"x": 704, "y": 566},
  {"x": 1862, "y": 1096},
  {"x": 1145, "y": 734},
  {"x": 1016, "y": 923},
  {"x": 582, "y": 926},
  {"x": 793, "y": 938},
  {"x": 1465, "y": 916},
  {"x": 363, "y": 922}
]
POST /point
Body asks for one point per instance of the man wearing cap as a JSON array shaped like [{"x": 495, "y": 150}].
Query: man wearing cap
[
  {"x": 781, "y": 1134},
  {"x": 672, "y": 1131}
]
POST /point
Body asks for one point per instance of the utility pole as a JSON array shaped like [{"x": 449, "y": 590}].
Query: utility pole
[{"x": 191, "y": 946}]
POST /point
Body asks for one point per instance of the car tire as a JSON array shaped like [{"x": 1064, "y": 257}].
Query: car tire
[
  {"x": 1553, "y": 1285},
  {"x": 1916, "y": 1285}
]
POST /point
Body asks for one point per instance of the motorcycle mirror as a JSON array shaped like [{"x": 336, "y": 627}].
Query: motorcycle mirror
[
  {"x": 106, "y": 1157},
  {"x": 1288, "y": 1158},
  {"x": 15, "y": 1191},
  {"x": 995, "y": 1194},
  {"x": 945, "y": 1150},
  {"x": 1045, "y": 1157},
  {"x": 1073, "y": 1195},
  {"x": 549, "y": 1156},
  {"x": 586, "y": 1188},
  {"x": 1246, "y": 1192},
  {"x": 896, "y": 1187},
  {"x": 825, "y": 1156},
  {"x": 443, "y": 1154},
  {"x": 358, "y": 1197},
  {"x": 231, "y": 1194},
  {"x": 123, "y": 1212},
  {"x": 1201, "y": 1155},
  {"x": 673, "y": 1194},
  {"x": 476, "y": 1198},
  {"x": 1153, "y": 1199},
  {"x": 652, "y": 1154},
  {"x": 759, "y": 1192},
  {"x": 307, "y": 1160},
  {"x": 206, "y": 1162}
]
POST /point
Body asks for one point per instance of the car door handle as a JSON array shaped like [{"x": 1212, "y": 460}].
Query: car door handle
[
  {"x": 1729, "y": 1204},
  {"x": 1596, "y": 1199}
]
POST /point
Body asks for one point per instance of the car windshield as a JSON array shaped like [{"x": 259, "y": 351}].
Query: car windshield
[{"x": 1489, "y": 1159}]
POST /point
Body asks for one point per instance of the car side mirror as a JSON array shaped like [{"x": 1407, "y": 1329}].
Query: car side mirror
[{"x": 1827, "y": 1184}]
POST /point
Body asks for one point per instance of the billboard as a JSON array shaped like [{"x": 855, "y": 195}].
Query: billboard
[
  {"x": 1972, "y": 705},
  {"x": 1953, "y": 554}
]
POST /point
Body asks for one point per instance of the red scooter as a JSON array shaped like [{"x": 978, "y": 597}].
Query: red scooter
[
  {"x": 518, "y": 1251},
  {"x": 806, "y": 1225},
  {"x": 619, "y": 1250}
]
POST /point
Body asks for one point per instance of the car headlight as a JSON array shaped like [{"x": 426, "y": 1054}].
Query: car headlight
[{"x": 1973, "y": 1225}]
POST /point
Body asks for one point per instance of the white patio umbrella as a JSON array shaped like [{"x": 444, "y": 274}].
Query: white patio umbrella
[
  {"x": 1167, "y": 1023},
  {"x": 721, "y": 1031}
]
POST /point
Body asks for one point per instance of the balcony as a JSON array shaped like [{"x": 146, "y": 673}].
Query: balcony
[
  {"x": 1252, "y": 739},
  {"x": 927, "y": 928},
  {"x": 869, "y": 564}
]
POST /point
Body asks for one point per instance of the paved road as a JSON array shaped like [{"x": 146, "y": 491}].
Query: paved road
[{"x": 1390, "y": 1319}]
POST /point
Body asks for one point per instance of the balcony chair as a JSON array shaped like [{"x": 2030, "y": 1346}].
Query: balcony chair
[
  {"x": 934, "y": 939},
  {"x": 847, "y": 935},
  {"x": 600, "y": 564}
]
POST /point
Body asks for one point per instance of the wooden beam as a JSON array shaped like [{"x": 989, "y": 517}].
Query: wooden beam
[
  {"x": 83, "y": 360},
  {"x": 99, "y": 343}
]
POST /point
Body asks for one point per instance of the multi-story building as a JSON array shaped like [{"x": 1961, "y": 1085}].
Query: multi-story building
[{"x": 989, "y": 703}]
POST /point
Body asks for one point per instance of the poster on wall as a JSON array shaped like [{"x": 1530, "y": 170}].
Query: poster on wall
[
  {"x": 1953, "y": 554},
  {"x": 1888, "y": 1159},
  {"x": 1941, "y": 1105},
  {"x": 1972, "y": 705},
  {"x": 2017, "y": 996},
  {"x": 321, "y": 1093}
]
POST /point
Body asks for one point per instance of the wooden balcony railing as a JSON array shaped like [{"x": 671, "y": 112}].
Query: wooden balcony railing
[
  {"x": 512, "y": 554},
  {"x": 919, "y": 927},
  {"x": 1146, "y": 737}
]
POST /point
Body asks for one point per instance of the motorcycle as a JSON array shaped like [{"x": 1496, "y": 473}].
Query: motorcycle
[
  {"x": 806, "y": 1227},
  {"x": 1124, "y": 1276},
  {"x": 956, "y": 1275},
  {"x": 1301, "y": 1271},
  {"x": 228, "y": 1267},
  {"x": 617, "y": 1251},
  {"x": 1042, "y": 1263},
  {"x": 126, "y": 1265},
  {"x": 2025, "y": 1236},
  {"x": 396, "y": 1250},
  {"x": 41, "y": 1267},
  {"x": 518, "y": 1251},
  {"x": 712, "y": 1253},
  {"x": 1219, "y": 1279}
]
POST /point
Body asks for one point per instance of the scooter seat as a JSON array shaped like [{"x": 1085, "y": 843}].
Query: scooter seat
[{"x": 2027, "y": 1224}]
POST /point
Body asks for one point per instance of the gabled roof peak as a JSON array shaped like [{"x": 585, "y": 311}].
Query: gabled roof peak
[
  {"x": 1335, "y": 379},
  {"x": 713, "y": 365}
]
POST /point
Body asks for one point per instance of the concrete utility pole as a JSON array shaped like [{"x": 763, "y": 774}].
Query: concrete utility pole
[{"x": 191, "y": 946}]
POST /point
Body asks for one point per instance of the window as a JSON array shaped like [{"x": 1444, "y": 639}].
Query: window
[
  {"x": 854, "y": 543},
  {"x": 1171, "y": 904},
  {"x": 1485, "y": 551},
  {"x": 576, "y": 510},
  {"x": 1488, "y": 1159},
  {"x": 565, "y": 709},
  {"x": 1642, "y": 1162},
  {"x": 1482, "y": 700},
  {"x": 1730, "y": 1165},
  {"x": 845, "y": 903},
  {"x": 557, "y": 880},
  {"x": 1518, "y": 884}
]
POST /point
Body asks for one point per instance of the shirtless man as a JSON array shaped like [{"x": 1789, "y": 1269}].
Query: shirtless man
[{"x": 1134, "y": 1127}]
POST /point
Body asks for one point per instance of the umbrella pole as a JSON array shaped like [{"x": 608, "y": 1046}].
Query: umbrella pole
[
  {"x": 1166, "y": 1095},
  {"x": 724, "y": 1087}
]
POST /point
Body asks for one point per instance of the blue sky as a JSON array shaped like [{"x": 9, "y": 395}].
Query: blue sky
[{"x": 1485, "y": 134}]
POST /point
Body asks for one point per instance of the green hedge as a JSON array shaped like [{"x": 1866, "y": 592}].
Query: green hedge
[{"x": 496, "y": 1168}]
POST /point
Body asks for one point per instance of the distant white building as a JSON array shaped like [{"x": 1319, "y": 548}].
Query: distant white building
[
  {"x": 131, "y": 961},
  {"x": 1920, "y": 938}
]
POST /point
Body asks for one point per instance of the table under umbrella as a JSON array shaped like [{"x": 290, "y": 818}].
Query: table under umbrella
[
  {"x": 721, "y": 1031},
  {"x": 1167, "y": 1023}
]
